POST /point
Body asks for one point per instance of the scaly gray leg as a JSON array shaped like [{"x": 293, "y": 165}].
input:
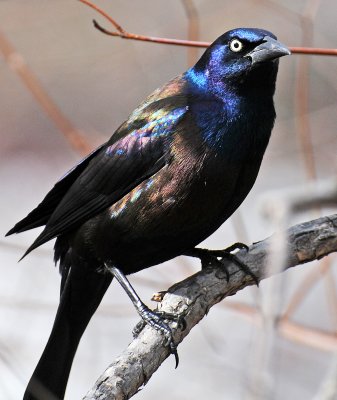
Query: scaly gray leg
[{"x": 150, "y": 317}]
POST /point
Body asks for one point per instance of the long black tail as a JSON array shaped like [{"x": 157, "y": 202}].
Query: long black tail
[{"x": 82, "y": 293}]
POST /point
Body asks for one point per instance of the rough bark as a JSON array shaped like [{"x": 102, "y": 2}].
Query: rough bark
[{"x": 194, "y": 296}]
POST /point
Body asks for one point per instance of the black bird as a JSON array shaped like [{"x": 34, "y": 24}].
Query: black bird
[{"x": 169, "y": 176}]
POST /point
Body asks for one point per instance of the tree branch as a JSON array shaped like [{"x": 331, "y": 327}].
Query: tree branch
[
  {"x": 122, "y": 33},
  {"x": 193, "y": 297}
]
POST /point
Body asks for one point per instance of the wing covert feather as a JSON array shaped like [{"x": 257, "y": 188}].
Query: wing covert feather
[{"x": 137, "y": 150}]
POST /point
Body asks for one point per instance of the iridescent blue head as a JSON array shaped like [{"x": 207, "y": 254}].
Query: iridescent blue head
[{"x": 239, "y": 59}]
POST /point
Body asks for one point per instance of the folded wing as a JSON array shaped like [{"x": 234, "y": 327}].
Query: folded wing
[{"x": 137, "y": 150}]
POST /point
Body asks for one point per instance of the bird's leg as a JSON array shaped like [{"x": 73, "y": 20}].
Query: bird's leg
[
  {"x": 155, "y": 320},
  {"x": 211, "y": 257}
]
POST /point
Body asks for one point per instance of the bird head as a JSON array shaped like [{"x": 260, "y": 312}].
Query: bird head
[{"x": 238, "y": 59}]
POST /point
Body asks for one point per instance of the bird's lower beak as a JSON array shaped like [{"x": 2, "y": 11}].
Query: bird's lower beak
[{"x": 268, "y": 50}]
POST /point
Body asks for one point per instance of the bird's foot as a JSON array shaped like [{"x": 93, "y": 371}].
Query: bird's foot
[
  {"x": 211, "y": 257},
  {"x": 162, "y": 315},
  {"x": 155, "y": 319},
  {"x": 178, "y": 319}
]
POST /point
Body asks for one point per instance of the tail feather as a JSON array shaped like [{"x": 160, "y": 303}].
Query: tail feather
[
  {"x": 82, "y": 294},
  {"x": 44, "y": 237}
]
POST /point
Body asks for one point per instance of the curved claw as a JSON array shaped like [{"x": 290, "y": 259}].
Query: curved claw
[
  {"x": 173, "y": 350},
  {"x": 167, "y": 332},
  {"x": 243, "y": 267},
  {"x": 155, "y": 320},
  {"x": 181, "y": 322}
]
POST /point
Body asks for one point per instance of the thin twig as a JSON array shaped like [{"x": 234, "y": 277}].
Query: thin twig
[
  {"x": 313, "y": 51},
  {"x": 193, "y": 30},
  {"x": 302, "y": 92},
  {"x": 134, "y": 36},
  {"x": 105, "y": 15},
  {"x": 122, "y": 33}
]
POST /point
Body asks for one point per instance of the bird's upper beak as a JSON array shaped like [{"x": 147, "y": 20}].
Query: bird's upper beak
[{"x": 268, "y": 50}]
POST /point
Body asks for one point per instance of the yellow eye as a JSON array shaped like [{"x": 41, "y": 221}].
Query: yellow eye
[{"x": 235, "y": 45}]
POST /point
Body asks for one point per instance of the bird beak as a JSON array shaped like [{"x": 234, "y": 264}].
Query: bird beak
[{"x": 268, "y": 50}]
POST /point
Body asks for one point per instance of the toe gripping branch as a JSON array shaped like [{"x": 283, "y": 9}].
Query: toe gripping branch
[
  {"x": 154, "y": 319},
  {"x": 211, "y": 257}
]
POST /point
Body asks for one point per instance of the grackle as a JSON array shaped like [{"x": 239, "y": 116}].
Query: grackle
[{"x": 169, "y": 176}]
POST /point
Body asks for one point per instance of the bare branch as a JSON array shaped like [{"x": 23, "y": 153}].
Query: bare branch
[
  {"x": 105, "y": 15},
  {"x": 193, "y": 297},
  {"x": 153, "y": 39},
  {"x": 193, "y": 29},
  {"x": 122, "y": 33}
]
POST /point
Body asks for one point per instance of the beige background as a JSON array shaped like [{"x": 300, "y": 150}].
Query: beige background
[{"x": 96, "y": 81}]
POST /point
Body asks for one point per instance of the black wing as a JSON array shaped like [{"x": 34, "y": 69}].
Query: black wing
[
  {"x": 138, "y": 149},
  {"x": 41, "y": 214}
]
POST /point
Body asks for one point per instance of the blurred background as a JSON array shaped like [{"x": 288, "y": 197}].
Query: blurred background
[{"x": 65, "y": 87}]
